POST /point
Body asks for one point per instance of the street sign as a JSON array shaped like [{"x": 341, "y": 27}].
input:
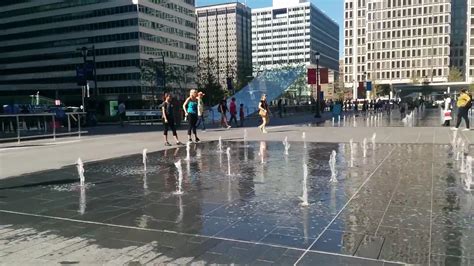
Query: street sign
[
  {"x": 89, "y": 70},
  {"x": 81, "y": 76},
  {"x": 369, "y": 85}
]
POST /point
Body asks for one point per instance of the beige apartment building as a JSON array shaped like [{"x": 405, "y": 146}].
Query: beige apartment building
[
  {"x": 405, "y": 41},
  {"x": 224, "y": 37}
]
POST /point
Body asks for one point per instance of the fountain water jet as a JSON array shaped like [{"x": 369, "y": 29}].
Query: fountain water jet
[
  {"x": 468, "y": 177},
  {"x": 80, "y": 171},
  {"x": 82, "y": 200},
  {"x": 219, "y": 145},
  {"x": 351, "y": 144},
  {"x": 144, "y": 157},
  {"x": 462, "y": 168},
  {"x": 188, "y": 151},
  {"x": 364, "y": 147},
  {"x": 228, "y": 161},
  {"x": 245, "y": 136},
  {"x": 332, "y": 166},
  {"x": 457, "y": 150},
  {"x": 303, "y": 136},
  {"x": 373, "y": 140},
  {"x": 179, "y": 190},
  {"x": 304, "y": 198},
  {"x": 287, "y": 145}
]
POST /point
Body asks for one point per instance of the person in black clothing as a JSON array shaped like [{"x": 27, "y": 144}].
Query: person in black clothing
[
  {"x": 168, "y": 119},
  {"x": 280, "y": 108},
  {"x": 223, "y": 110}
]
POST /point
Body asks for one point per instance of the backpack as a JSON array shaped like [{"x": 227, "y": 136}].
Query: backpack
[{"x": 469, "y": 103}]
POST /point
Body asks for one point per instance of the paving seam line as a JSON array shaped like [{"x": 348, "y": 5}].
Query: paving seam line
[
  {"x": 431, "y": 207},
  {"x": 345, "y": 205},
  {"x": 391, "y": 198},
  {"x": 189, "y": 234}
]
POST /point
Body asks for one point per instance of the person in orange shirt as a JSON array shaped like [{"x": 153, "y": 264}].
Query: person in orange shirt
[{"x": 463, "y": 104}]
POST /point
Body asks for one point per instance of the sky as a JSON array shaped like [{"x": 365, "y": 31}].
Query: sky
[{"x": 333, "y": 8}]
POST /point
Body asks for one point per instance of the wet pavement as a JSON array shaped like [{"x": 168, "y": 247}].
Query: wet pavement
[{"x": 403, "y": 203}]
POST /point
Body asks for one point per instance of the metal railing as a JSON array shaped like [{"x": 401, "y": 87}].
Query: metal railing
[
  {"x": 252, "y": 112},
  {"x": 40, "y": 125}
]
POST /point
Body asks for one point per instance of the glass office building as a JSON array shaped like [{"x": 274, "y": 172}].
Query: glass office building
[{"x": 41, "y": 41}]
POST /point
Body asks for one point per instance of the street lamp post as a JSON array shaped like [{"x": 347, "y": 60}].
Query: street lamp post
[{"x": 318, "y": 105}]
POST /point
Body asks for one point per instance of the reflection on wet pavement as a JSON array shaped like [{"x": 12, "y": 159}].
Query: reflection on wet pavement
[{"x": 401, "y": 204}]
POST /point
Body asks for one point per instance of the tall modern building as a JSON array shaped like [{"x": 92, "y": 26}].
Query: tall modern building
[
  {"x": 405, "y": 41},
  {"x": 224, "y": 38},
  {"x": 41, "y": 41},
  {"x": 291, "y": 32}
]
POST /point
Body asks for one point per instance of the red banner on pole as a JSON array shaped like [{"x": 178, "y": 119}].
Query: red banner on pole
[
  {"x": 311, "y": 76},
  {"x": 323, "y": 76},
  {"x": 361, "y": 90}
]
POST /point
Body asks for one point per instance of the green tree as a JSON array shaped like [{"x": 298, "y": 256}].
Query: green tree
[
  {"x": 208, "y": 82},
  {"x": 455, "y": 75},
  {"x": 148, "y": 73},
  {"x": 179, "y": 77}
]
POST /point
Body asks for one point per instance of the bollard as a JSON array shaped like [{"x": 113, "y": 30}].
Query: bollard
[
  {"x": 79, "y": 124},
  {"x": 18, "y": 128},
  {"x": 68, "y": 123},
  {"x": 54, "y": 128}
]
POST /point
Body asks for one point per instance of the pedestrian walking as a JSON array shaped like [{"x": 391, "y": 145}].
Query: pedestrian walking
[
  {"x": 121, "y": 113},
  {"x": 223, "y": 110},
  {"x": 264, "y": 113},
  {"x": 168, "y": 119},
  {"x": 280, "y": 108},
  {"x": 233, "y": 112},
  {"x": 201, "y": 111},
  {"x": 241, "y": 115},
  {"x": 190, "y": 108},
  {"x": 447, "y": 112},
  {"x": 463, "y": 104}
]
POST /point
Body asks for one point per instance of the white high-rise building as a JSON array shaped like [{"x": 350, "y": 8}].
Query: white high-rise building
[
  {"x": 224, "y": 37},
  {"x": 404, "y": 41},
  {"x": 291, "y": 32}
]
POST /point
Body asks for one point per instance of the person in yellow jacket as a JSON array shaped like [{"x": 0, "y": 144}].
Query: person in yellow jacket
[{"x": 463, "y": 104}]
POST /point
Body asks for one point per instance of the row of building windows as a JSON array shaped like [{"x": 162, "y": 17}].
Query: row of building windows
[
  {"x": 164, "y": 28},
  {"x": 166, "y": 41},
  {"x": 407, "y": 63},
  {"x": 261, "y": 13},
  {"x": 439, "y": 72},
  {"x": 100, "y": 78},
  {"x": 71, "y": 54},
  {"x": 69, "y": 17},
  {"x": 419, "y": 42},
  {"x": 69, "y": 67},
  {"x": 189, "y": 23},
  {"x": 48, "y": 7},
  {"x": 71, "y": 42},
  {"x": 173, "y": 6},
  {"x": 71, "y": 29},
  {"x": 403, "y": 33}
]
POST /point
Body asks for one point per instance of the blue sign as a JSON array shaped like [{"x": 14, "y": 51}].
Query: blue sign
[
  {"x": 369, "y": 85},
  {"x": 89, "y": 70},
  {"x": 81, "y": 76}
]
